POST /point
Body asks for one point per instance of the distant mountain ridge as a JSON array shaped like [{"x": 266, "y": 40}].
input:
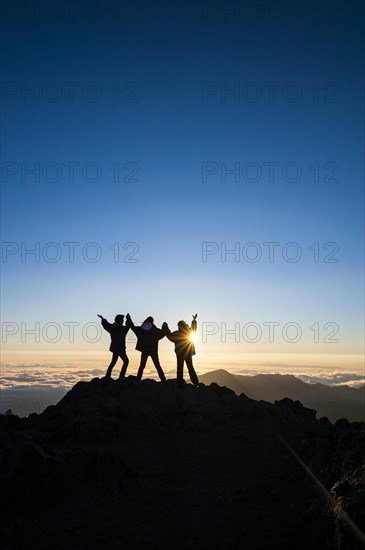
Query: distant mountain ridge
[{"x": 334, "y": 402}]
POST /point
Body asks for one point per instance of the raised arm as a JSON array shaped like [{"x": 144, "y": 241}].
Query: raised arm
[
  {"x": 166, "y": 331},
  {"x": 194, "y": 323},
  {"x": 105, "y": 324},
  {"x": 129, "y": 323},
  {"x": 161, "y": 332}
]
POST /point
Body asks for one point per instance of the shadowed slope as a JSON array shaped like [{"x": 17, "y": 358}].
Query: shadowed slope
[
  {"x": 333, "y": 402},
  {"x": 114, "y": 465}
]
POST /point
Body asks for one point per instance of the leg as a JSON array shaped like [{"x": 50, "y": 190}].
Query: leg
[
  {"x": 142, "y": 365},
  {"x": 156, "y": 362},
  {"x": 180, "y": 370},
  {"x": 110, "y": 368},
  {"x": 124, "y": 358},
  {"x": 192, "y": 373}
]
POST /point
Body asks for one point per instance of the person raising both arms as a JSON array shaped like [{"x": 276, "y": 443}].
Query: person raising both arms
[
  {"x": 118, "y": 331},
  {"x": 184, "y": 349},
  {"x": 148, "y": 336}
]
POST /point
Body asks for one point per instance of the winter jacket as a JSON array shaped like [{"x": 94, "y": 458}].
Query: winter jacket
[
  {"x": 117, "y": 333},
  {"x": 181, "y": 338},
  {"x": 148, "y": 336}
]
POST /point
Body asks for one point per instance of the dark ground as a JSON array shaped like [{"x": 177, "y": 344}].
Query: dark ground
[{"x": 115, "y": 465}]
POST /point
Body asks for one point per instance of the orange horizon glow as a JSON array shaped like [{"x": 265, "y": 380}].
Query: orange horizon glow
[{"x": 204, "y": 361}]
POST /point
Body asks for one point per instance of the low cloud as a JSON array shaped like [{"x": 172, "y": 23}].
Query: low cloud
[
  {"x": 56, "y": 377},
  {"x": 311, "y": 374},
  {"x": 45, "y": 377},
  {"x": 352, "y": 379},
  {"x": 31, "y": 388},
  {"x": 37, "y": 376}
]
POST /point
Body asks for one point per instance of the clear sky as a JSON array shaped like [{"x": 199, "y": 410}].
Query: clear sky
[{"x": 142, "y": 141}]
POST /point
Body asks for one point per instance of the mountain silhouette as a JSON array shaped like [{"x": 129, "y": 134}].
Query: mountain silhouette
[
  {"x": 116, "y": 465},
  {"x": 332, "y": 402}
]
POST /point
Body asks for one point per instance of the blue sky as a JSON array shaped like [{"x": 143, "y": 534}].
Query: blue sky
[{"x": 172, "y": 65}]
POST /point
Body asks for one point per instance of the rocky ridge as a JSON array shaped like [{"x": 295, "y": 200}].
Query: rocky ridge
[{"x": 115, "y": 464}]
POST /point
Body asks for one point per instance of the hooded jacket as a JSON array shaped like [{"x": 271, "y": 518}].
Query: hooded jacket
[
  {"x": 181, "y": 338},
  {"x": 148, "y": 336},
  {"x": 117, "y": 333}
]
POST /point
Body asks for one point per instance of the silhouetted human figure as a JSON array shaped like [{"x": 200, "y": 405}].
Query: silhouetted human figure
[
  {"x": 184, "y": 349},
  {"x": 117, "y": 332},
  {"x": 148, "y": 336}
]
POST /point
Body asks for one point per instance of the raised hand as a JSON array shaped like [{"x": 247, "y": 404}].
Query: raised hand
[
  {"x": 101, "y": 317},
  {"x": 195, "y": 316}
]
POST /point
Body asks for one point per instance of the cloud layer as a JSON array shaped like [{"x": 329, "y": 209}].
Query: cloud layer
[{"x": 56, "y": 376}]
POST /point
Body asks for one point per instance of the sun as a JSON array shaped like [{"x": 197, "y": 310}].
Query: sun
[{"x": 193, "y": 337}]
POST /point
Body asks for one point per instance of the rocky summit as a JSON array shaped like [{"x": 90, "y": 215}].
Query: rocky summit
[{"x": 115, "y": 465}]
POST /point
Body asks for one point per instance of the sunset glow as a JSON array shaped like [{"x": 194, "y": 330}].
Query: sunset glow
[{"x": 196, "y": 184}]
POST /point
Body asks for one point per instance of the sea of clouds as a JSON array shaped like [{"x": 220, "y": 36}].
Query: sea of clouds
[
  {"x": 25, "y": 389},
  {"x": 65, "y": 376}
]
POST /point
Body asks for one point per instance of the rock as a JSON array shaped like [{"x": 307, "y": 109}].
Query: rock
[{"x": 114, "y": 464}]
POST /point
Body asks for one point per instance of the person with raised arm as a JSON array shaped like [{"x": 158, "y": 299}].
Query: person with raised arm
[
  {"x": 118, "y": 331},
  {"x": 148, "y": 336},
  {"x": 184, "y": 349}
]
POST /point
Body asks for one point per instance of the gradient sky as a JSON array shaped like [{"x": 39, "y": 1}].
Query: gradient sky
[{"x": 147, "y": 86}]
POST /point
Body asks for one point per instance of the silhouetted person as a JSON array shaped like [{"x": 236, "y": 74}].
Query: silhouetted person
[
  {"x": 184, "y": 349},
  {"x": 148, "y": 336},
  {"x": 117, "y": 332}
]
